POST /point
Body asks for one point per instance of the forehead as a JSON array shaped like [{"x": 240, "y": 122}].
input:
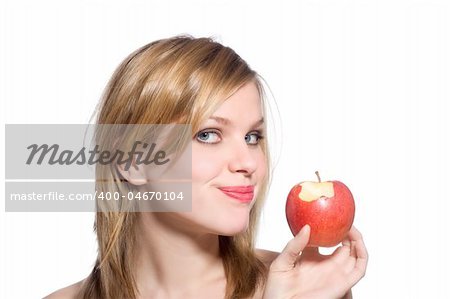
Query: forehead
[{"x": 244, "y": 104}]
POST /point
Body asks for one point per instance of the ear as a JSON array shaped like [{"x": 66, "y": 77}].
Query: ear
[{"x": 135, "y": 174}]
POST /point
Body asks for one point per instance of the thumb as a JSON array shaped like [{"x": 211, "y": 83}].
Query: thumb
[{"x": 287, "y": 258}]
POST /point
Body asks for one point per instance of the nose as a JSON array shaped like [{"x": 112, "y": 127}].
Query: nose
[{"x": 243, "y": 159}]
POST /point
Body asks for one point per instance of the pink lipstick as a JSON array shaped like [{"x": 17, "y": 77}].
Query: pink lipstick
[{"x": 241, "y": 193}]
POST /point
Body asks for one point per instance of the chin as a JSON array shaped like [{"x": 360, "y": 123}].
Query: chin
[{"x": 233, "y": 228}]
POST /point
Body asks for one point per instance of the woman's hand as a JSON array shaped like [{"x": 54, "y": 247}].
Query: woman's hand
[{"x": 304, "y": 273}]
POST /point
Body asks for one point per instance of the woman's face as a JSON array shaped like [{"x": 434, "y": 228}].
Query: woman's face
[{"x": 227, "y": 164}]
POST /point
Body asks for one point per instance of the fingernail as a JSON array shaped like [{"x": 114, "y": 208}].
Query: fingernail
[{"x": 303, "y": 228}]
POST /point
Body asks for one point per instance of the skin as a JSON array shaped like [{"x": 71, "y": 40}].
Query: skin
[
  {"x": 178, "y": 254},
  {"x": 302, "y": 272}
]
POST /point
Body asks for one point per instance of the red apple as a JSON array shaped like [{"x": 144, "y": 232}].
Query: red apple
[{"x": 327, "y": 207}]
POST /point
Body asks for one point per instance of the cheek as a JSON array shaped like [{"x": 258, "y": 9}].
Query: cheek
[
  {"x": 206, "y": 165},
  {"x": 262, "y": 167}
]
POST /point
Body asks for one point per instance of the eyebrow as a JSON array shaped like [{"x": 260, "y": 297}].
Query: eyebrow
[{"x": 226, "y": 121}]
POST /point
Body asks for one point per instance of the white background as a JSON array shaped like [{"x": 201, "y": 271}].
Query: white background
[{"x": 362, "y": 89}]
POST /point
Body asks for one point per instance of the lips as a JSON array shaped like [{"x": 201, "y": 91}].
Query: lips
[{"x": 241, "y": 193}]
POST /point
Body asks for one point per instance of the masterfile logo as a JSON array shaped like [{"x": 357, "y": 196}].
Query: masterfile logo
[{"x": 74, "y": 167}]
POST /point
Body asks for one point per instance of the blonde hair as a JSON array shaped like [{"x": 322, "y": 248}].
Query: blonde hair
[{"x": 175, "y": 80}]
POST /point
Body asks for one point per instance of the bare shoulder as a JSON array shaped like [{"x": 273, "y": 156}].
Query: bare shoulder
[
  {"x": 266, "y": 256},
  {"x": 68, "y": 292}
]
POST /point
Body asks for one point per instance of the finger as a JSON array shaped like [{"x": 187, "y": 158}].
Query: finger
[
  {"x": 352, "y": 237},
  {"x": 341, "y": 255},
  {"x": 358, "y": 247},
  {"x": 349, "y": 265},
  {"x": 354, "y": 234},
  {"x": 351, "y": 247},
  {"x": 347, "y": 241},
  {"x": 287, "y": 258},
  {"x": 362, "y": 258}
]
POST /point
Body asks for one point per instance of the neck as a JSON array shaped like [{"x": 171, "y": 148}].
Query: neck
[{"x": 172, "y": 261}]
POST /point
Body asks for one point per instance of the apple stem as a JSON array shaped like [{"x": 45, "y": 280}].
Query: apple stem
[{"x": 318, "y": 176}]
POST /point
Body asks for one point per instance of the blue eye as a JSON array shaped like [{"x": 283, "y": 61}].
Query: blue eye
[
  {"x": 253, "y": 138},
  {"x": 208, "y": 137},
  {"x": 213, "y": 137}
]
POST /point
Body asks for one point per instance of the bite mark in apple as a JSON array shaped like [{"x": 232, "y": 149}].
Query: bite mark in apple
[{"x": 312, "y": 191}]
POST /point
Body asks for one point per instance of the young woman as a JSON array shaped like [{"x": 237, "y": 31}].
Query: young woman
[{"x": 208, "y": 252}]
